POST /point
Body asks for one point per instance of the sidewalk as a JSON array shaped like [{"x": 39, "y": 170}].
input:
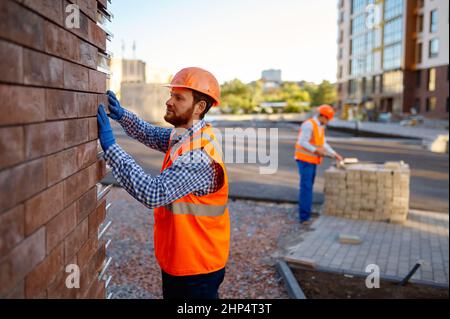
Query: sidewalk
[
  {"x": 392, "y": 129},
  {"x": 394, "y": 248}
]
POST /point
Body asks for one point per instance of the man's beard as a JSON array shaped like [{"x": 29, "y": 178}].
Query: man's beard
[{"x": 179, "y": 120}]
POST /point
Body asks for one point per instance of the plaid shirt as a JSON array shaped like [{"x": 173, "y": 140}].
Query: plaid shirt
[{"x": 194, "y": 172}]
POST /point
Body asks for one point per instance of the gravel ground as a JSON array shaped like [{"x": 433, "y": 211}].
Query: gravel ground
[{"x": 258, "y": 230}]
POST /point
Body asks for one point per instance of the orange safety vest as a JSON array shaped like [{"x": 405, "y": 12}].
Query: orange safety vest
[
  {"x": 317, "y": 140},
  {"x": 192, "y": 234}
]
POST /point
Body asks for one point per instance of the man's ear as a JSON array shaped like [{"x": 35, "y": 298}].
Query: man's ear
[{"x": 200, "y": 107}]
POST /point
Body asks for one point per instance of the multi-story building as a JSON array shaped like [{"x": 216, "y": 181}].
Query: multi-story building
[
  {"x": 393, "y": 56},
  {"x": 271, "y": 75}
]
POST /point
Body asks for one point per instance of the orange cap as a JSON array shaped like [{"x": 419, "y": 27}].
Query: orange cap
[
  {"x": 199, "y": 80},
  {"x": 327, "y": 111}
]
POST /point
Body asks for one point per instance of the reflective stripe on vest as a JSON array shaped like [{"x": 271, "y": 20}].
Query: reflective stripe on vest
[
  {"x": 180, "y": 208},
  {"x": 192, "y": 234},
  {"x": 317, "y": 140}
]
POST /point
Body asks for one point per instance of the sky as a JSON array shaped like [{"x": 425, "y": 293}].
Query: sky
[{"x": 232, "y": 38}]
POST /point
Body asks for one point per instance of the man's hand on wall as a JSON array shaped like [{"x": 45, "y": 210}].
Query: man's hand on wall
[
  {"x": 105, "y": 132},
  {"x": 116, "y": 110}
]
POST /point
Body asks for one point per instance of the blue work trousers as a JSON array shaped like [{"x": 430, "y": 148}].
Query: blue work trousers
[{"x": 307, "y": 173}]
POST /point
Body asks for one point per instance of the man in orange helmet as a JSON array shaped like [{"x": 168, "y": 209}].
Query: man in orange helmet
[
  {"x": 189, "y": 197},
  {"x": 310, "y": 149}
]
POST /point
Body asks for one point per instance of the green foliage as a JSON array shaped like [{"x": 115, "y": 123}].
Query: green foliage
[{"x": 238, "y": 97}]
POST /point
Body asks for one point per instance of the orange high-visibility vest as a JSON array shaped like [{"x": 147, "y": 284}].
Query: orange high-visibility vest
[
  {"x": 317, "y": 140},
  {"x": 192, "y": 234}
]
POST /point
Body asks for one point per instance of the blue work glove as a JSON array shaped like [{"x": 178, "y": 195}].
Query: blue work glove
[
  {"x": 105, "y": 132},
  {"x": 114, "y": 106}
]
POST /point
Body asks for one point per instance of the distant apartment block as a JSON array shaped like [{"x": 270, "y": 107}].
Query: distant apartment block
[
  {"x": 271, "y": 76},
  {"x": 393, "y": 56}
]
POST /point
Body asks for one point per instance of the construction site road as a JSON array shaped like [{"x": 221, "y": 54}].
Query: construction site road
[{"x": 429, "y": 171}]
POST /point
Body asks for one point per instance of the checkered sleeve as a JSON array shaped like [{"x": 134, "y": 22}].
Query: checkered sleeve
[
  {"x": 152, "y": 136},
  {"x": 192, "y": 172}
]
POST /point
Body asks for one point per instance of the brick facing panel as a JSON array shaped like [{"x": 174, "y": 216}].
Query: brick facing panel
[
  {"x": 11, "y": 229},
  {"x": 17, "y": 186},
  {"x": 51, "y": 135},
  {"x": 43, "y": 207},
  {"x": 40, "y": 277},
  {"x": 60, "y": 226},
  {"x": 42, "y": 70},
  {"x": 21, "y": 260},
  {"x": 11, "y": 65},
  {"x": 61, "y": 105},
  {"x": 21, "y": 105},
  {"x": 20, "y": 25},
  {"x": 11, "y": 146},
  {"x": 43, "y": 139}
]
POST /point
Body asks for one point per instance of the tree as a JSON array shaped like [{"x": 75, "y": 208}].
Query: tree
[
  {"x": 325, "y": 93},
  {"x": 237, "y": 95}
]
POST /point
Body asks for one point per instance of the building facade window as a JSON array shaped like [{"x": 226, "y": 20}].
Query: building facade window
[
  {"x": 419, "y": 53},
  {"x": 418, "y": 78},
  {"x": 393, "y": 82},
  {"x": 431, "y": 104},
  {"x": 358, "y": 24},
  {"x": 358, "y": 66},
  {"x": 358, "y": 45},
  {"x": 434, "y": 48},
  {"x": 432, "y": 79},
  {"x": 393, "y": 31},
  {"x": 393, "y": 8},
  {"x": 416, "y": 106},
  {"x": 419, "y": 26},
  {"x": 358, "y": 6},
  {"x": 392, "y": 57},
  {"x": 434, "y": 21}
]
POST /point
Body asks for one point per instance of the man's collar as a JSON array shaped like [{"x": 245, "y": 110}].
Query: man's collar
[
  {"x": 316, "y": 118},
  {"x": 181, "y": 134}
]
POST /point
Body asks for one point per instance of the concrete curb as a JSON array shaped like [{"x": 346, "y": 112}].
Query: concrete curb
[{"x": 292, "y": 286}]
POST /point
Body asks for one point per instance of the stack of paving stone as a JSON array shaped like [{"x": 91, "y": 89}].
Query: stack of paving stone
[{"x": 378, "y": 192}]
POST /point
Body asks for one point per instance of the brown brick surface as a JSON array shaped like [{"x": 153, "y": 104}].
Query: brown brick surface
[
  {"x": 61, "y": 165},
  {"x": 61, "y": 43},
  {"x": 11, "y": 62},
  {"x": 75, "y": 240},
  {"x": 51, "y": 9},
  {"x": 43, "y": 207},
  {"x": 97, "y": 82},
  {"x": 87, "y": 203},
  {"x": 75, "y": 132},
  {"x": 40, "y": 277},
  {"x": 11, "y": 229},
  {"x": 42, "y": 70},
  {"x": 87, "y": 104},
  {"x": 20, "y": 25},
  {"x": 12, "y": 147},
  {"x": 21, "y": 105},
  {"x": 17, "y": 186},
  {"x": 61, "y": 105},
  {"x": 60, "y": 226},
  {"x": 43, "y": 139},
  {"x": 50, "y": 90},
  {"x": 21, "y": 260}
]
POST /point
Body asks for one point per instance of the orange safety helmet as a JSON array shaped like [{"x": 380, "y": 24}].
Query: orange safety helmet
[
  {"x": 199, "y": 80},
  {"x": 326, "y": 111}
]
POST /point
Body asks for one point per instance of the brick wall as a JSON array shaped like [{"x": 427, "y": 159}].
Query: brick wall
[{"x": 50, "y": 210}]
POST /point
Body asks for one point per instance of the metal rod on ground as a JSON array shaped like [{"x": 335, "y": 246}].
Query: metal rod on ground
[{"x": 410, "y": 274}]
